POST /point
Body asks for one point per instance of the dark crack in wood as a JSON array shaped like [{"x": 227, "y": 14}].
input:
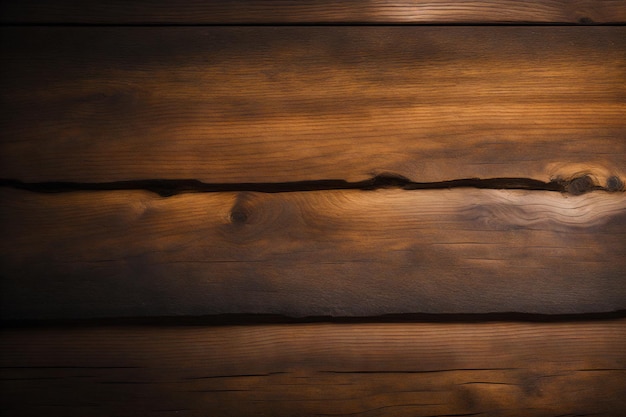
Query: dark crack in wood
[{"x": 171, "y": 187}]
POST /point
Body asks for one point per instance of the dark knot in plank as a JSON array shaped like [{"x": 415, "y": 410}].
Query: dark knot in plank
[
  {"x": 614, "y": 183},
  {"x": 580, "y": 185},
  {"x": 238, "y": 216}
]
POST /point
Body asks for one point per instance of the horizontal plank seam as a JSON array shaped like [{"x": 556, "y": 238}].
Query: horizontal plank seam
[
  {"x": 264, "y": 319},
  {"x": 170, "y": 187},
  {"x": 581, "y": 22}
]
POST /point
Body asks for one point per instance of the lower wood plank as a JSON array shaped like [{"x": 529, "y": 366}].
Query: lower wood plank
[
  {"x": 416, "y": 369},
  {"x": 340, "y": 253}
]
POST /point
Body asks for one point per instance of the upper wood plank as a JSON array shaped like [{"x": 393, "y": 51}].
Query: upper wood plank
[
  {"x": 273, "y": 104},
  {"x": 311, "y": 11}
]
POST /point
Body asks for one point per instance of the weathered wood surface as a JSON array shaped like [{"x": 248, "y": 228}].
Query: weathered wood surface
[
  {"x": 489, "y": 369},
  {"x": 311, "y": 11},
  {"x": 236, "y": 105},
  {"x": 349, "y": 252},
  {"x": 273, "y": 104}
]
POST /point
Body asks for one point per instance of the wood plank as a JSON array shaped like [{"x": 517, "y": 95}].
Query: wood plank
[
  {"x": 341, "y": 253},
  {"x": 310, "y": 11},
  {"x": 419, "y": 369},
  {"x": 274, "y": 104}
]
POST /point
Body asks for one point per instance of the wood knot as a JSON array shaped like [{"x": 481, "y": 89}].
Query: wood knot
[
  {"x": 614, "y": 183},
  {"x": 240, "y": 211},
  {"x": 580, "y": 185},
  {"x": 238, "y": 216}
]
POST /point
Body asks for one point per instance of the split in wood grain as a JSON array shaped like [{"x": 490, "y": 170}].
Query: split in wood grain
[
  {"x": 168, "y": 188},
  {"x": 419, "y": 369}
]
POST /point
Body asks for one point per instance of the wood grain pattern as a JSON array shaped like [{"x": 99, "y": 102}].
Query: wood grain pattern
[
  {"x": 342, "y": 253},
  {"x": 489, "y": 369},
  {"x": 311, "y": 11},
  {"x": 274, "y": 104}
]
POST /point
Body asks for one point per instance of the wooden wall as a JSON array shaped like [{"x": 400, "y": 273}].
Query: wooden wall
[{"x": 285, "y": 208}]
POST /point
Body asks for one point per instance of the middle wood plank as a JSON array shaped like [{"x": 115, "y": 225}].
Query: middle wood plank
[
  {"x": 277, "y": 104},
  {"x": 342, "y": 253}
]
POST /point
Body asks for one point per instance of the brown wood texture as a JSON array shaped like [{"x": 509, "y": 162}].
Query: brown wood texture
[
  {"x": 311, "y": 11},
  {"x": 272, "y": 104},
  {"x": 341, "y": 253},
  {"x": 488, "y": 369}
]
